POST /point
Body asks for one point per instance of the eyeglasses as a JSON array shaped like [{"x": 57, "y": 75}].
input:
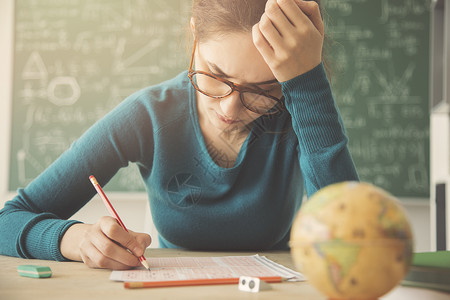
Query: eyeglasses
[{"x": 257, "y": 100}]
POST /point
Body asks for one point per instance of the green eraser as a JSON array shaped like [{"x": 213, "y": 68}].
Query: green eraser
[{"x": 34, "y": 271}]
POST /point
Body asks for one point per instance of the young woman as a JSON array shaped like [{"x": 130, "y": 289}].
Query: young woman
[{"x": 225, "y": 149}]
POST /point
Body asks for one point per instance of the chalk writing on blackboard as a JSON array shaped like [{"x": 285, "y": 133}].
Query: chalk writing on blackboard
[
  {"x": 380, "y": 54},
  {"x": 76, "y": 60}
]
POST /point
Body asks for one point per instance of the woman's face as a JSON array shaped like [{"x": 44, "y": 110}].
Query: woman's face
[{"x": 233, "y": 57}]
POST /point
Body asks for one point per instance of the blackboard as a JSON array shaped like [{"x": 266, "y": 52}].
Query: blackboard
[
  {"x": 74, "y": 60},
  {"x": 379, "y": 54}
]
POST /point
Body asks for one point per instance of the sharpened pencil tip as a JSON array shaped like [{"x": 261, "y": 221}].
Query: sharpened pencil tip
[{"x": 145, "y": 264}]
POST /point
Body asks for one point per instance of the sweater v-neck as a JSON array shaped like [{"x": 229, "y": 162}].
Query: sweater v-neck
[{"x": 202, "y": 143}]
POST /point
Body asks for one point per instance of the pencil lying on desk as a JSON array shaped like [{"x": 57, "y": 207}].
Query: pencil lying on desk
[
  {"x": 190, "y": 282},
  {"x": 113, "y": 213}
]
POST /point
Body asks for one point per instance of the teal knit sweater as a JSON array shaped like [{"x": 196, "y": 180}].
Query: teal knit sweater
[{"x": 195, "y": 203}]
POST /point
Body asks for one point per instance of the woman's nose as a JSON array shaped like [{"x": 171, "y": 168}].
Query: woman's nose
[{"x": 231, "y": 105}]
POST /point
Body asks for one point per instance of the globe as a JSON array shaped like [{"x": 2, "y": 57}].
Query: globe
[{"x": 352, "y": 240}]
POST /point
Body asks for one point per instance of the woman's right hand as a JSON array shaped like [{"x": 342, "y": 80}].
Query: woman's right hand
[
  {"x": 290, "y": 37},
  {"x": 104, "y": 244}
]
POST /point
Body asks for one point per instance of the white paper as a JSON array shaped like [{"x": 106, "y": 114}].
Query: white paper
[{"x": 185, "y": 268}]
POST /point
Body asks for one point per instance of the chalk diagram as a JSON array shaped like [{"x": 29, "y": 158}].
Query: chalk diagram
[
  {"x": 63, "y": 91},
  {"x": 34, "y": 68},
  {"x": 184, "y": 190},
  {"x": 133, "y": 62}
]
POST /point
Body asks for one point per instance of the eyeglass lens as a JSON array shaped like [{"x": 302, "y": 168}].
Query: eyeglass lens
[{"x": 255, "y": 102}]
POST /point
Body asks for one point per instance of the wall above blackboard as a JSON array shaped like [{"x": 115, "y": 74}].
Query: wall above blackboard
[{"x": 74, "y": 60}]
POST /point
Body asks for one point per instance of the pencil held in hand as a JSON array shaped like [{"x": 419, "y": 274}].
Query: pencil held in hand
[{"x": 113, "y": 213}]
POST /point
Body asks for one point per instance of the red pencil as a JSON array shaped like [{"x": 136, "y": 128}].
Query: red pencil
[
  {"x": 190, "y": 282},
  {"x": 113, "y": 213}
]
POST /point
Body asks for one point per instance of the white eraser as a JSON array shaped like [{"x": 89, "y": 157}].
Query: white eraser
[{"x": 252, "y": 284}]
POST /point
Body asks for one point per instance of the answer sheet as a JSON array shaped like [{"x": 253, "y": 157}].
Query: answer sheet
[{"x": 186, "y": 268}]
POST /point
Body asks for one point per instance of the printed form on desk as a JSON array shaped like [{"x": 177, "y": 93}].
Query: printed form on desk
[{"x": 186, "y": 268}]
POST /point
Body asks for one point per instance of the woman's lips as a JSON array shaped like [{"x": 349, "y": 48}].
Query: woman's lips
[{"x": 226, "y": 120}]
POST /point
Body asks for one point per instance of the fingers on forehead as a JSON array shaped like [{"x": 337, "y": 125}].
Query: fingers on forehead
[{"x": 288, "y": 7}]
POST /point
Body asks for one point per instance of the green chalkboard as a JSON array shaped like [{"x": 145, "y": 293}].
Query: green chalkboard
[
  {"x": 74, "y": 60},
  {"x": 380, "y": 64}
]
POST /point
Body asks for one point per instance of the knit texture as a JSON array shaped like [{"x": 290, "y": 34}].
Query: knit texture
[{"x": 195, "y": 203}]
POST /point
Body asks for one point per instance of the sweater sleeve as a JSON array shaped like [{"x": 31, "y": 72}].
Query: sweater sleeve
[
  {"x": 34, "y": 222},
  {"x": 322, "y": 143}
]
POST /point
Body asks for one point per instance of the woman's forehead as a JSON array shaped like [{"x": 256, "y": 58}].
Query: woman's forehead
[{"x": 235, "y": 57}]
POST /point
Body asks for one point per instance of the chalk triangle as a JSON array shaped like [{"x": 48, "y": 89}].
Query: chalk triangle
[{"x": 34, "y": 67}]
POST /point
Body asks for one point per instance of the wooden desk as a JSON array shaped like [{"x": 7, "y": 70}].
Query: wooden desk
[{"x": 72, "y": 280}]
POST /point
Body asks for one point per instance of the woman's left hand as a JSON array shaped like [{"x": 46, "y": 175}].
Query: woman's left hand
[{"x": 289, "y": 36}]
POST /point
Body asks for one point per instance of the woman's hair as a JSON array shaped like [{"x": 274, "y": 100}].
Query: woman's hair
[{"x": 214, "y": 18}]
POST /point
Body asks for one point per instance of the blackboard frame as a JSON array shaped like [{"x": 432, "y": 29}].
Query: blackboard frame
[
  {"x": 6, "y": 61},
  {"x": 440, "y": 124}
]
